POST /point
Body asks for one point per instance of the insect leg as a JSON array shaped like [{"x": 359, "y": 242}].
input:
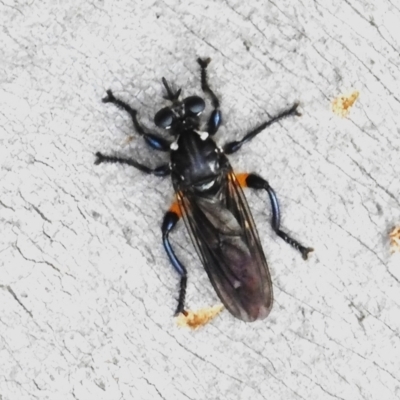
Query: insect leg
[
  {"x": 154, "y": 141},
  {"x": 162, "y": 170},
  {"x": 214, "y": 121},
  {"x": 170, "y": 219},
  {"x": 254, "y": 181},
  {"x": 234, "y": 146}
]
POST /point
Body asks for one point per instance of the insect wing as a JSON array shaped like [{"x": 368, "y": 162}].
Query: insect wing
[{"x": 226, "y": 239}]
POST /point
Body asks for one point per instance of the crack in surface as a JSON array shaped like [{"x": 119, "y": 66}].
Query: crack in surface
[{"x": 13, "y": 294}]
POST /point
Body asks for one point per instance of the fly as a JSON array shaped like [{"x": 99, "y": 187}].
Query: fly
[{"x": 210, "y": 199}]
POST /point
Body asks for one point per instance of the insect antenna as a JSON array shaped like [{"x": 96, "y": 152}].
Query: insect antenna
[{"x": 171, "y": 96}]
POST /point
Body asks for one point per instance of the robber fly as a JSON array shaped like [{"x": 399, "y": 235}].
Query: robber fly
[{"x": 209, "y": 197}]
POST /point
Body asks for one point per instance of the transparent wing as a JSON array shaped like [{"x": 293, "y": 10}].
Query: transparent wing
[{"x": 226, "y": 239}]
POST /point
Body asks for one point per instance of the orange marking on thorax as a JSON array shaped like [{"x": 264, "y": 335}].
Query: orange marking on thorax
[
  {"x": 175, "y": 208},
  {"x": 241, "y": 178}
]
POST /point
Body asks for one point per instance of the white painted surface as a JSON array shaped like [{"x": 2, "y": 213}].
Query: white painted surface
[{"x": 87, "y": 293}]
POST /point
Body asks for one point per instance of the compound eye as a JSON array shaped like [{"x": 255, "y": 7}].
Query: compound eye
[
  {"x": 164, "y": 118},
  {"x": 194, "y": 105}
]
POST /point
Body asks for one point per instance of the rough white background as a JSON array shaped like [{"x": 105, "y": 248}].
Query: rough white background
[{"x": 86, "y": 291}]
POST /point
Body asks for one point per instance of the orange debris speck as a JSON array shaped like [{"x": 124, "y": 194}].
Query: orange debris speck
[
  {"x": 199, "y": 318},
  {"x": 395, "y": 239},
  {"x": 342, "y": 104}
]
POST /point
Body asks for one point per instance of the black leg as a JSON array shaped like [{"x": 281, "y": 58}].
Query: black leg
[
  {"x": 255, "y": 182},
  {"x": 234, "y": 146},
  {"x": 215, "y": 119},
  {"x": 162, "y": 170},
  {"x": 170, "y": 220},
  {"x": 154, "y": 141}
]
